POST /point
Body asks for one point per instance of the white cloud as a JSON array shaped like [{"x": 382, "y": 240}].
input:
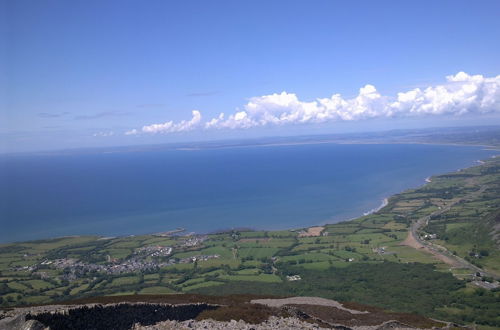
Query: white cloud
[
  {"x": 461, "y": 94},
  {"x": 170, "y": 126},
  {"x": 132, "y": 132},
  {"x": 104, "y": 134}
]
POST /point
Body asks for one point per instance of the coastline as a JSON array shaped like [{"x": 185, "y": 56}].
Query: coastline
[
  {"x": 384, "y": 203},
  {"x": 361, "y": 213},
  {"x": 427, "y": 180}
]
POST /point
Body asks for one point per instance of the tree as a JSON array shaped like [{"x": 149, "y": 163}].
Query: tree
[{"x": 484, "y": 253}]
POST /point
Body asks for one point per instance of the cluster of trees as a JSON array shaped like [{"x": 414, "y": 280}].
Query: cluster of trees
[
  {"x": 480, "y": 306},
  {"x": 401, "y": 287},
  {"x": 414, "y": 287}
]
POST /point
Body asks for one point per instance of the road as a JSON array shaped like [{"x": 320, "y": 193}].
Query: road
[{"x": 440, "y": 252}]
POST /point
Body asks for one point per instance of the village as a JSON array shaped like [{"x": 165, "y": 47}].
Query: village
[{"x": 144, "y": 259}]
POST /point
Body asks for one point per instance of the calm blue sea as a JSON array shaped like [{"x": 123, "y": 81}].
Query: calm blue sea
[{"x": 271, "y": 187}]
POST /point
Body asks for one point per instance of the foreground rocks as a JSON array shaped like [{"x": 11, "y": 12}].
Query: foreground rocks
[
  {"x": 100, "y": 317},
  {"x": 209, "y": 312},
  {"x": 316, "y": 301},
  {"x": 271, "y": 324}
]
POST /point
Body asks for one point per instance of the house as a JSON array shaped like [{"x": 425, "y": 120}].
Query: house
[{"x": 293, "y": 278}]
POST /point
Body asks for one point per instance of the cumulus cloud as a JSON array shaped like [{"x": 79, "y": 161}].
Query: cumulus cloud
[
  {"x": 170, "y": 126},
  {"x": 460, "y": 94}
]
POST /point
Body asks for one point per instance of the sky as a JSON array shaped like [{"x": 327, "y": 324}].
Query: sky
[{"x": 103, "y": 73}]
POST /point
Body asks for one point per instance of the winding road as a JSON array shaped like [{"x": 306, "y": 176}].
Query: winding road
[{"x": 413, "y": 239}]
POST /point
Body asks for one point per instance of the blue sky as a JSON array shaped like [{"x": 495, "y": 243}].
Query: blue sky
[{"x": 102, "y": 73}]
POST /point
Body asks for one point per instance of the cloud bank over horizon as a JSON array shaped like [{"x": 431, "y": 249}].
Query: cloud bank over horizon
[{"x": 461, "y": 94}]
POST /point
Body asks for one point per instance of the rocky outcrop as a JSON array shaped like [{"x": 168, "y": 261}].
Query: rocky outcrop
[
  {"x": 272, "y": 323},
  {"x": 97, "y": 317},
  {"x": 33, "y": 325},
  {"x": 210, "y": 312},
  {"x": 316, "y": 301}
]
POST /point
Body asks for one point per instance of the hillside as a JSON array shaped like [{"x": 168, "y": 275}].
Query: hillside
[{"x": 202, "y": 312}]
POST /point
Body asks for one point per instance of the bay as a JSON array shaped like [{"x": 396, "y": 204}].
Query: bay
[{"x": 263, "y": 187}]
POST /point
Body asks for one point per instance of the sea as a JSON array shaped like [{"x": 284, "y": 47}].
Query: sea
[{"x": 134, "y": 192}]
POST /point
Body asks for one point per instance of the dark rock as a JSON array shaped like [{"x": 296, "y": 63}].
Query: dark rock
[{"x": 117, "y": 317}]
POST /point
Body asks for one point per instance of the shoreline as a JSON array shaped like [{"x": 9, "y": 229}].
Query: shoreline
[
  {"x": 427, "y": 180},
  {"x": 385, "y": 202}
]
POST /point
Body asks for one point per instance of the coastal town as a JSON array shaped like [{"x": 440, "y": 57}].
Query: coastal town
[{"x": 144, "y": 259}]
